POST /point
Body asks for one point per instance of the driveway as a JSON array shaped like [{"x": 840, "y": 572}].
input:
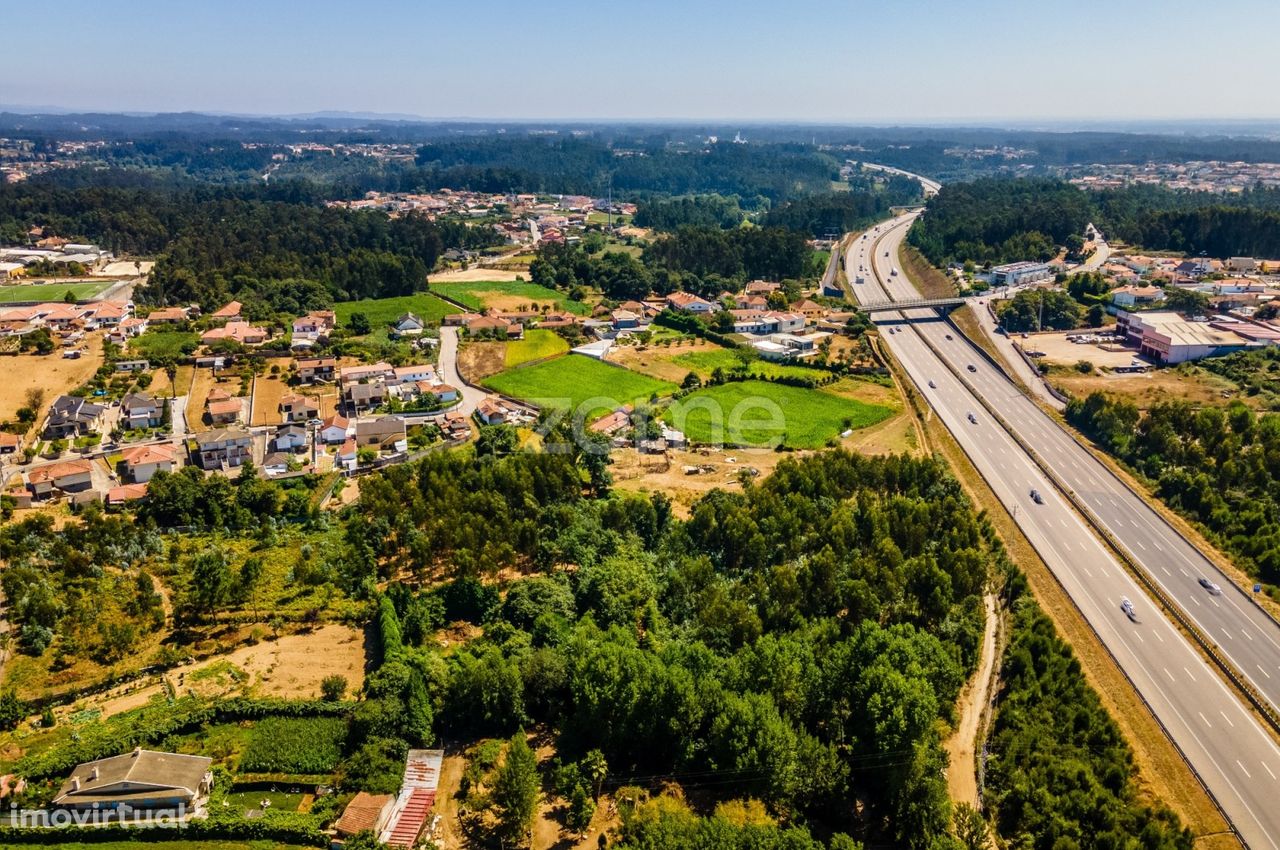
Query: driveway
[{"x": 471, "y": 396}]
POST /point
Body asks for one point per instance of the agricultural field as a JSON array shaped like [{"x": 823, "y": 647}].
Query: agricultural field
[
  {"x": 164, "y": 345},
  {"x": 52, "y": 291},
  {"x": 384, "y": 311},
  {"x": 307, "y": 745},
  {"x": 759, "y": 413},
  {"x": 574, "y": 380},
  {"x": 674, "y": 362},
  {"x": 509, "y": 295},
  {"x": 536, "y": 345}
]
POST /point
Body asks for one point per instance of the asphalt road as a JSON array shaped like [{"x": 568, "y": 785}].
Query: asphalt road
[{"x": 1234, "y": 755}]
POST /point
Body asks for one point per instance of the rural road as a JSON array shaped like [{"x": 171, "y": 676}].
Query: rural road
[{"x": 471, "y": 396}]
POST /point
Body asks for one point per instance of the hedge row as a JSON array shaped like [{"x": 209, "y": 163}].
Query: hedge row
[{"x": 278, "y": 827}]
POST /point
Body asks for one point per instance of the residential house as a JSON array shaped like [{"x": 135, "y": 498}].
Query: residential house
[
  {"x": 761, "y": 287},
  {"x": 624, "y": 320},
  {"x": 132, "y": 365},
  {"x": 346, "y": 456},
  {"x": 442, "y": 392},
  {"x": 229, "y": 312},
  {"x": 298, "y": 408},
  {"x": 365, "y": 812},
  {"x": 71, "y": 416},
  {"x": 690, "y": 303},
  {"x": 617, "y": 421},
  {"x": 68, "y": 476},
  {"x": 223, "y": 447},
  {"x": 1129, "y": 296},
  {"x": 142, "y": 779},
  {"x": 356, "y": 374},
  {"x": 785, "y": 346},
  {"x": 289, "y": 438},
  {"x": 557, "y": 319},
  {"x": 142, "y": 462},
  {"x": 365, "y": 396},
  {"x": 125, "y": 493},
  {"x": 276, "y": 463},
  {"x": 420, "y": 372},
  {"x": 407, "y": 325},
  {"x": 312, "y": 328},
  {"x": 492, "y": 412},
  {"x": 237, "y": 331},
  {"x": 225, "y": 412},
  {"x": 140, "y": 410},
  {"x": 9, "y": 443},
  {"x": 316, "y": 369},
  {"x": 809, "y": 309},
  {"x": 335, "y": 429},
  {"x": 107, "y": 314},
  {"x": 387, "y": 433}
]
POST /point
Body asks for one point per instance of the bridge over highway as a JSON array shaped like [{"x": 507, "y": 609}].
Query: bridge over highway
[{"x": 908, "y": 304}]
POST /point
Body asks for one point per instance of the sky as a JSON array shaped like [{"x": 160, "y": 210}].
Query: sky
[{"x": 752, "y": 60}]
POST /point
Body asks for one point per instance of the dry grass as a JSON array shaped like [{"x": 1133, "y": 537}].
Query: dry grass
[
  {"x": 290, "y": 667},
  {"x": 267, "y": 392},
  {"x": 932, "y": 282},
  {"x": 480, "y": 360},
  {"x": 655, "y": 473},
  {"x": 1144, "y": 390},
  {"x": 48, "y": 371},
  {"x": 484, "y": 273},
  {"x": 659, "y": 361}
]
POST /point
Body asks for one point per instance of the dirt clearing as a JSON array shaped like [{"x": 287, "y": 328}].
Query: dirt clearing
[
  {"x": 291, "y": 667},
  {"x": 1146, "y": 389},
  {"x": 481, "y": 273},
  {"x": 50, "y": 372},
  {"x": 479, "y": 360}
]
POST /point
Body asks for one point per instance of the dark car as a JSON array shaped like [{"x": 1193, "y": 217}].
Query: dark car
[
  {"x": 1210, "y": 586},
  {"x": 972, "y": 368},
  {"x": 1036, "y": 497}
]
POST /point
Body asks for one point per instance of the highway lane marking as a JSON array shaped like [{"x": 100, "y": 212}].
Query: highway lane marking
[
  {"x": 1140, "y": 546},
  {"x": 1207, "y": 723},
  {"x": 1246, "y": 634},
  {"x": 1197, "y": 601},
  {"x": 1262, "y": 670},
  {"x": 1184, "y": 572},
  {"x": 1246, "y": 773},
  {"x": 1193, "y": 678},
  {"x": 1167, "y": 673},
  {"x": 1268, "y": 770},
  {"x": 1166, "y": 570},
  {"x": 1161, "y": 639},
  {"x": 1228, "y": 719},
  {"x": 1159, "y": 548},
  {"x": 1228, "y": 634}
]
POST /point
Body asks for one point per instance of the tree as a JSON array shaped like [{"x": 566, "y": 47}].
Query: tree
[
  {"x": 515, "y": 791},
  {"x": 970, "y": 827},
  {"x": 33, "y": 398},
  {"x": 595, "y": 769},
  {"x": 69, "y": 297},
  {"x": 1187, "y": 301},
  {"x": 359, "y": 324},
  {"x": 332, "y": 688},
  {"x": 210, "y": 581},
  {"x": 12, "y": 710}
]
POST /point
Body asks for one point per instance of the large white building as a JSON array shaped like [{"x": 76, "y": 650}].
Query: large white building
[
  {"x": 1017, "y": 273},
  {"x": 1168, "y": 338}
]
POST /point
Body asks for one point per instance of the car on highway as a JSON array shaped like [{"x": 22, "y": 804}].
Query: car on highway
[
  {"x": 949, "y": 337},
  {"x": 1127, "y": 607},
  {"x": 893, "y": 272},
  {"x": 886, "y": 253},
  {"x": 972, "y": 368},
  {"x": 932, "y": 385},
  {"x": 973, "y": 418},
  {"x": 1036, "y": 497},
  {"x": 1210, "y": 586}
]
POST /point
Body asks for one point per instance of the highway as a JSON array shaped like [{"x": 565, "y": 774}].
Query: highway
[{"x": 1236, "y": 758}]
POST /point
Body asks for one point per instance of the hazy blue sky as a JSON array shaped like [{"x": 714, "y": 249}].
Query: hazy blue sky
[{"x": 746, "y": 59}]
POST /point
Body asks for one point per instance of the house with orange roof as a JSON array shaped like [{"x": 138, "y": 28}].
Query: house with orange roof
[
  {"x": 125, "y": 493},
  {"x": 238, "y": 331},
  {"x": 225, "y": 412},
  {"x": 168, "y": 315},
  {"x": 69, "y": 476},
  {"x": 228, "y": 312},
  {"x": 142, "y": 462}
]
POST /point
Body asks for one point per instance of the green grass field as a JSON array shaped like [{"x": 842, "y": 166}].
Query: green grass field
[
  {"x": 578, "y": 383},
  {"x": 705, "y": 362},
  {"x": 384, "y": 311},
  {"x": 758, "y": 413},
  {"x": 162, "y": 344},
  {"x": 507, "y": 295},
  {"x": 51, "y": 291},
  {"x": 536, "y": 345}
]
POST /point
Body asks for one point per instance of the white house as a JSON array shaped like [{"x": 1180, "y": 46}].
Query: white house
[{"x": 335, "y": 430}]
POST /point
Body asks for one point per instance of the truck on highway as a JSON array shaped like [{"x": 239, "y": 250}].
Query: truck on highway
[{"x": 859, "y": 279}]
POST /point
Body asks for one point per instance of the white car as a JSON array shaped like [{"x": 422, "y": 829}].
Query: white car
[
  {"x": 1127, "y": 607},
  {"x": 1210, "y": 586}
]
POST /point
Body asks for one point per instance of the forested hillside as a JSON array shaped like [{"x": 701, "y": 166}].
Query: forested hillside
[{"x": 1001, "y": 220}]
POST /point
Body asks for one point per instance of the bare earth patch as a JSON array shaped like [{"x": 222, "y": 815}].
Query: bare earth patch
[
  {"x": 479, "y": 360},
  {"x": 482, "y": 273},
  {"x": 51, "y": 372},
  {"x": 656, "y": 473},
  {"x": 1147, "y": 389},
  {"x": 291, "y": 667}
]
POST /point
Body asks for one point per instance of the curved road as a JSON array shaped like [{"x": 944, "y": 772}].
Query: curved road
[{"x": 1234, "y": 755}]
